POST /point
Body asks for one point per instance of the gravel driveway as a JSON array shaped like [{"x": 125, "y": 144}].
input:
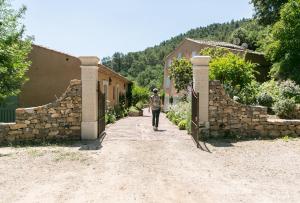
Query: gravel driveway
[{"x": 135, "y": 164}]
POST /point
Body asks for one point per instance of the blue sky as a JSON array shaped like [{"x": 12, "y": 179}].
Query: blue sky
[{"x": 102, "y": 27}]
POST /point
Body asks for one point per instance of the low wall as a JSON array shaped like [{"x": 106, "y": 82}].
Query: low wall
[
  {"x": 228, "y": 118},
  {"x": 60, "y": 120}
]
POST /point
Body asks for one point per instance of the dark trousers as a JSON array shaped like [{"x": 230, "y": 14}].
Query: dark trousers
[{"x": 155, "y": 117}]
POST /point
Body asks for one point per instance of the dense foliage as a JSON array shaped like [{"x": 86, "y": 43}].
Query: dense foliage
[
  {"x": 236, "y": 74},
  {"x": 139, "y": 94},
  {"x": 214, "y": 52},
  {"x": 182, "y": 74},
  {"x": 289, "y": 89},
  {"x": 118, "y": 111},
  {"x": 180, "y": 115},
  {"x": 14, "y": 50},
  {"x": 284, "y": 47},
  {"x": 281, "y": 97},
  {"x": 110, "y": 116},
  {"x": 267, "y": 11},
  {"x": 232, "y": 70},
  {"x": 265, "y": 99},
  {"x": 145, "y": 67},
  {"x": 285, "y": 108},
  {"x": 251, "y": 35}
]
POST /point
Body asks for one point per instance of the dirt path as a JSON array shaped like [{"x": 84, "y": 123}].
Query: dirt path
[{"x": 136, "y": 164}]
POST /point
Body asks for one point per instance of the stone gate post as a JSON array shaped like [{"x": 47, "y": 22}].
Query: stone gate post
[
  {"x": 89, "y": 79},
  {"x": 201, "y": 85}
]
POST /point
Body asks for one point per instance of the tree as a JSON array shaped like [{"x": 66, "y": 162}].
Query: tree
[
  {"x": 182, "y": 73},
  {"x": 284, "y": 47},
  {"x": 107, "y": 61},
  {"x": 139, "y": 94},
  {"x": 116, "y": 63},
  {"x": 14, "y": 50},
  {"x": 267, "y": 11},
  {"x": 214, "y": 53},
  {"x": 152, "y": 77},
  {"x": 250, "y": 33},
  {"x": 138, "y": 65}
]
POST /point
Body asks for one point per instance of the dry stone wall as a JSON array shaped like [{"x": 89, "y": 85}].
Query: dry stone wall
[
  {"x": 229, "y": 118},
  {"x": 60, "y": 120}
]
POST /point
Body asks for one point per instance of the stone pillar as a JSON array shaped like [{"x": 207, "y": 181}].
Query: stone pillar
[
  {"x": 89, "y": 79},
  {"x": 201, "y": 85}
]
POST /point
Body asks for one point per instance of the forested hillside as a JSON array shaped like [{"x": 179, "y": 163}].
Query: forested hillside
[{"x": 146, "y": 67}]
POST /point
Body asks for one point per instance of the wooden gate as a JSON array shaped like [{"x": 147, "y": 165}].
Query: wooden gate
[
  {"x": 101, "y": 112},
  {"x": 195, "y": 117}
]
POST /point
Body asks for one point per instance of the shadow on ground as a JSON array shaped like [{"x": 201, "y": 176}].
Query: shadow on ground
[
  {"x": 80, "y": 144},
  {"x": 221, "y": 143}
]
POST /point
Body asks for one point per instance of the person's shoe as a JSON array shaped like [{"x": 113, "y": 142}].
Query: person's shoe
[{"x": 156, "y": 129}]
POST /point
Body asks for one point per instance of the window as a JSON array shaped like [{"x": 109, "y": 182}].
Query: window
[
  {"x": 194, "y": 53},
  {"x": 105, "y": 89},
  {"x": 114, "y": 93},
  {"x": 117, "y": 94},
  {"x": 179, "y": 55},
  {"x": 167, "y": 82},
  {"x": 169, "y": 62}
]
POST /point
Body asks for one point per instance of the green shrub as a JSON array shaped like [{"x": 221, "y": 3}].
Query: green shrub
[
  {"x": 247, "y": 95},
  {"x": 174, "y": 120},
  {"x": 232, "y": 70},
  {"x": 214, "y": 52},
  {"x": 140, "y": 105},
  {"x": 283, "y": 42},
  {"x": 120, "y": 111},
  {"x": 272, "y": 88},
  {"x": 268, "y": 93},
  {"x": 236, "y": 74},
  {"x": 133, "y": 109},
  {"x": 170, "y": 115},
  {"x": 139, "y": 94},
  {"x": 264, "y": 99},
  {"x": 284, "y": 108},
  {"x": 180, "y": 114},
  {"x": 110, "y": 116},
  {"x": 289, "y": 89},
  {"x": 182, "y": 125}
]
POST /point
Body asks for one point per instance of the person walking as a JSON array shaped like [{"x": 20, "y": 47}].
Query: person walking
[{"x": 155, "y": 105}]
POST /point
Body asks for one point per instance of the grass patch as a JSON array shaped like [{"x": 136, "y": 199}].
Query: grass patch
[
  {"x": 134, "y": 109},
  {"x": 60, "y": 155},
  {"x": 287, "y": 138},
  {"x": 35, "y": 153},
  {"x": 40, "y": 143}
]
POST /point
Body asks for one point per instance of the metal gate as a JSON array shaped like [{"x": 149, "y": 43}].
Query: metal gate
[
  {"x": 195, "y": 118},
  {"x": 7, "y": 115},
  {"x": 101, "y": 111}
]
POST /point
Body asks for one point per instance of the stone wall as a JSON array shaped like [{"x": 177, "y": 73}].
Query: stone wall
[
  {"x": 229, "y": 118},
  {"x": 60, "y": 120}
]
